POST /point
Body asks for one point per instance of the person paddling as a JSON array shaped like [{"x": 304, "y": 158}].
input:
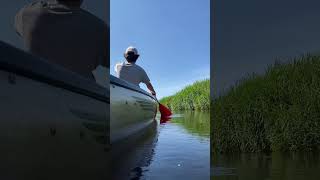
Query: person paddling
[
  {"x": 134, "y": 74},
  {"x": 131, "y": 72}
]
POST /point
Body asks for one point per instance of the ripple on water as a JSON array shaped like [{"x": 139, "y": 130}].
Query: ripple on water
[{"x": 178, "y": 152}]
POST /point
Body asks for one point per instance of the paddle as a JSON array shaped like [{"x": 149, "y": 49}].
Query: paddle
[
  {"x": 165, "y": 112},
  {"x": 164, "y": 120}
]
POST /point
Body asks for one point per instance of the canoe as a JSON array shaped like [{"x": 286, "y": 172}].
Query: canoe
[
  {"x": 131, "y": 109},
  {"x": 54, "y": 123}
]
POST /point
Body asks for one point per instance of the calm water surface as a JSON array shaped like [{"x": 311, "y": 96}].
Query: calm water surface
[
  {"x": 175, "y": 149},
  {"x": 274, "y": 166}
]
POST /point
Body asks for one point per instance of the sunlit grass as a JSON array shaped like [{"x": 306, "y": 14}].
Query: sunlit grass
[
  {"x": 193, "y": 97},
  {"x": 277, "y": 111}
]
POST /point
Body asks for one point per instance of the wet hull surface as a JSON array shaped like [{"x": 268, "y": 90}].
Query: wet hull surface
[
  {"x": 131, "y": 110},
  {"x": 48, "y": 130},
  {"x": 54, "y": 123}
]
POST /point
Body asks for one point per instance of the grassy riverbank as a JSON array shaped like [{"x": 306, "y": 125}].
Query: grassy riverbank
[
  {"x": 277, "y": 111},
  {"x": 193, "y": 97}
]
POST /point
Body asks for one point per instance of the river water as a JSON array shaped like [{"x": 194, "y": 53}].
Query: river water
[
  {"x": 273, "y": 166},
  {"x": 178, "y": 148}
]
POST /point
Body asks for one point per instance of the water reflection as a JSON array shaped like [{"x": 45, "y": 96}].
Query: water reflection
[
  {"x": 175, "y": 148},
  {"x": 195, "y": 122},
  {"x": 131, "y": 155},
  {"x": 275, "y": 166},
  {"x": 164, "y": 120}
]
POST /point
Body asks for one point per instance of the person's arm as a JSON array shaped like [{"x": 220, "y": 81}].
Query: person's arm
[
  {"x": 20, "y": 19},
  {"x": 117, "y": 69},
  {"x": 150, "y": 87},
  {"x": 146, "y": 81}
]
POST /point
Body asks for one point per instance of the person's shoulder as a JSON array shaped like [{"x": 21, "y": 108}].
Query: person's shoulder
[
  {"x": 118, "y": 64},
  {"x": 138, "y": 67},
  {"x": 39, "y": 8},
  {"x": 37, "y": 5}
]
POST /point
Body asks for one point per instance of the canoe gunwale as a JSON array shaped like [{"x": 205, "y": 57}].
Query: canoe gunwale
[
  {"x": 121, "y": 83},
  {"x": 14, "y": 60}
]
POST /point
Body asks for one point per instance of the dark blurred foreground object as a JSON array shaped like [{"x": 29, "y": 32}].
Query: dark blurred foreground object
[
  {"x": 63, "y": 33},
  {"x": 54, "y": 123}
]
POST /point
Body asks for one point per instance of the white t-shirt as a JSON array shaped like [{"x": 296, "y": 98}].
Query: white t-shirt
[{"x": 131, "y": 73}]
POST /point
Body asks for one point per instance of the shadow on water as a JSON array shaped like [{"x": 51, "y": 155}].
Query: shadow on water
[
  {"x": 173, "y": 148},
  {"x": 131, "y": 155},
  {"x": 275, "y": 166}
]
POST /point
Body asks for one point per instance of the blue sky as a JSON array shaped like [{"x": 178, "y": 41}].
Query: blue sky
[{"x": 172, "y": 36}]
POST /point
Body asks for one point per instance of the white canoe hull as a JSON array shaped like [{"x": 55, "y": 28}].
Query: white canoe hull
[{"x": 131, "y": 110}]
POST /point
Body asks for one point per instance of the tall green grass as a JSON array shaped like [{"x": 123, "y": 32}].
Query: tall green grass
[
  {"x": 193, "y": 97},
  {"x": 277, "y": 111}
]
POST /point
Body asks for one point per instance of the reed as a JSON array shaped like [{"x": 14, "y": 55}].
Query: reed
[
  {"x": 193, "y": 97},
  {"x": 277, "y": 111}
]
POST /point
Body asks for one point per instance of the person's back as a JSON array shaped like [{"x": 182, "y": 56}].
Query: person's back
[
  {"x": 68, "y": 36},
  {"x": 131, "y": 72}
]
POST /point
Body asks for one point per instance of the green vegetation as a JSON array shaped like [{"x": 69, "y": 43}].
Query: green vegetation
[
  {"x": 277, "y": 111},
  {"x": 192, "y": 97}
]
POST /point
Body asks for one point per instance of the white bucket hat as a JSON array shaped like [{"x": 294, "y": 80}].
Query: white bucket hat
[{"x": 132, "y": 49}]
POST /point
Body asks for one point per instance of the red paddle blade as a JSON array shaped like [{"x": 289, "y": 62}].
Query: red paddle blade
[
  {"x": 165, "y": 112},
  {"x": 164, "y": 120}
]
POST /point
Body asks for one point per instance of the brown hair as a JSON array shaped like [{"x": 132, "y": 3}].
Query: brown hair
[
  {"x": 131, "y": 57},
  {"x": 71, "y": 2}
]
